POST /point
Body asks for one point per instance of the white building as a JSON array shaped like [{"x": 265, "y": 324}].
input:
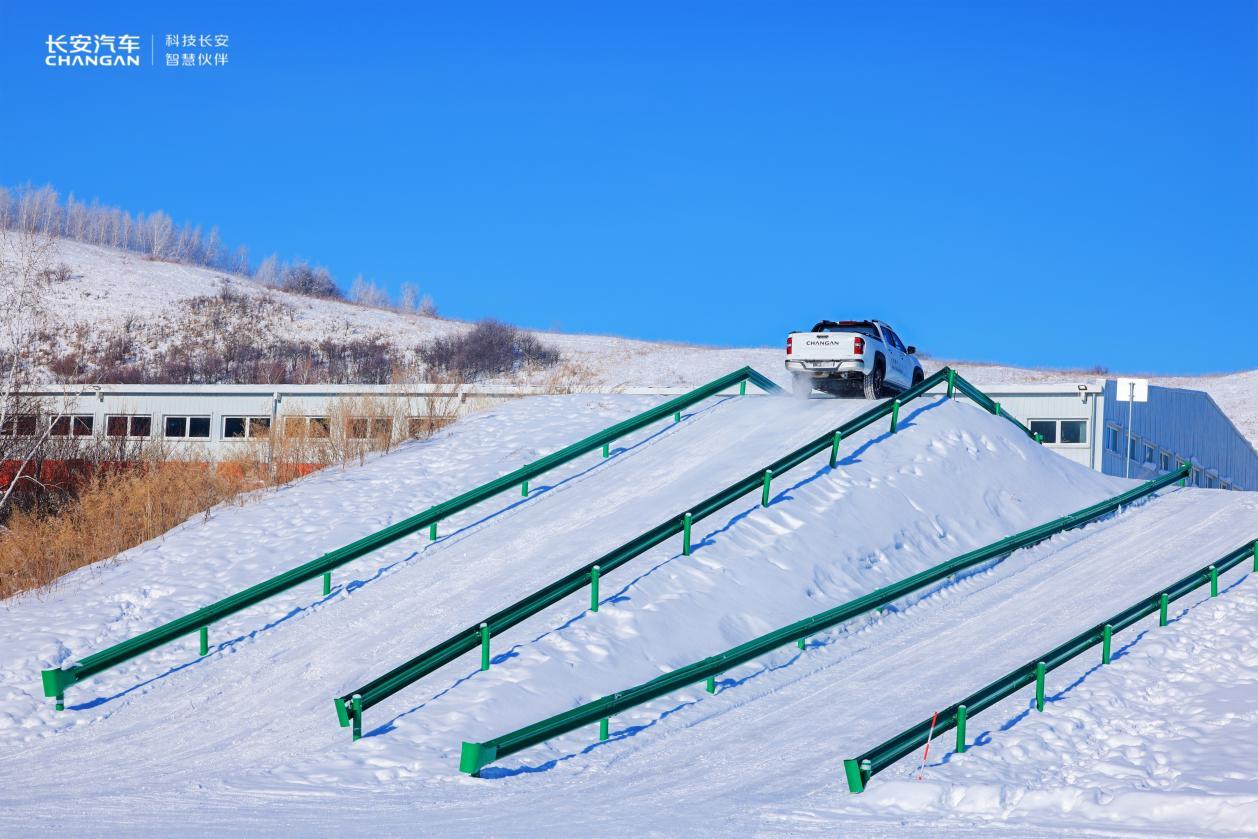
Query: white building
[{"x": 1079, "y": 420}]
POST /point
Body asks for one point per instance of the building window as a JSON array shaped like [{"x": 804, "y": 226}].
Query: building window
[
  {"x": 313, "y": 427},
  {"x": 1047, "y": 429},
  {"x": 1064, "y": 432},
  {"x": 246, "y": 428},
  {"x": 1133, "y": 449},
  {"x": 128, "y": 426},
  {"x": 363, "y": 428},
  {"x": 21, "y": 425},
  {"x": 1074, "y": 432},
  {"x": 419, "y": 427},
  {"x": 79, "y": 425},
  {"x": 1150, "y": 453},
  {"x": 1167, "y": 462},
  {"x": 1113, "y": 440},
  {"x": 1198, "y": 477},
  {"x": 187, "y": 428},
  {"x": 1211, "y": 481}
]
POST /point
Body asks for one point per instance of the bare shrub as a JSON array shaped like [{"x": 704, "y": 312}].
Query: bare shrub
[
  {"x": 487, "y": 349},
  {"x": 300, "y": 278},
  {"x": 59, "y": 273}
]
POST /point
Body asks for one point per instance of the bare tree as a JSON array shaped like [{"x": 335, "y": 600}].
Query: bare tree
[
  {"x": 269, "y": 271},
  {"x": 409, "y": 301},
  {"x": 367, "y": 293},
  {"x": 25, "y": 273}
]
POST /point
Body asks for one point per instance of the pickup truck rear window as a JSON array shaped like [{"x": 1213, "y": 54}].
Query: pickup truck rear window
[{"x": 860, "y": 327}]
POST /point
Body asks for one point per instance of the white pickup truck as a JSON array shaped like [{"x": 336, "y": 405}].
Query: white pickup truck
[{"x": 835, "y": 356}]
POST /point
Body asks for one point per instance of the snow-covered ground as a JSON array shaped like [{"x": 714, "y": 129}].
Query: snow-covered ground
[
  {"x": 110, "y": 287},
  {"x": 246, "y": 738}
]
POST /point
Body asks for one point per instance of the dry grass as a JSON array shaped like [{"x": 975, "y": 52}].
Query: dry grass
[
  {"x": 114, "y": 511},
  {"x": 121, "y": 507}
]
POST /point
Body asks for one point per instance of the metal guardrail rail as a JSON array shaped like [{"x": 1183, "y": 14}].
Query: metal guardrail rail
[
  {"x": 475, "y": 756},
  {"x": 55, "y": 681},
  {"x": 860, "y": 769},
  {"x": 350, "y": 706}
]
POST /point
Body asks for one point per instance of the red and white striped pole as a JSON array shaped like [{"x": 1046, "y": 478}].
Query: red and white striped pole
[{"x": 922, "y": 769}]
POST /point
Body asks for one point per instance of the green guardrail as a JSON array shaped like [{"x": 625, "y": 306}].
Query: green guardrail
[
  {"x": 860, "y": 769},
  {"x": 55, "y": 681},
  {"x": 475, "y": 756},
  {"x": 350, "y": 706}
]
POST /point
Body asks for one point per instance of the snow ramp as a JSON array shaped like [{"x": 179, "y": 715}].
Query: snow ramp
[{"x": 249, "y": 723}]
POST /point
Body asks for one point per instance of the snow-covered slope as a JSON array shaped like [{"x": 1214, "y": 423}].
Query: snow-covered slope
[
  {"x": 109, "y": 287},
  {"x": 246, "y": 738}
]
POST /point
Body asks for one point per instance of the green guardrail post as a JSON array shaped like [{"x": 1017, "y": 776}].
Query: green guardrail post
[
  {"x": 602, "y": 728},
  {"x": 895, "y": 415},
  {"x": 960, "y": 729},
  {"x": 1183, "y": 482},
  {"x": 484, "y": 646},
  {"x": 524, "y": 489},
  {"x": 61, "y": 702},
  {"x": 834, "y": 449},
  {"x": 1039, "y": 686},
  {"x": 432, "y": 532},
  {"x": 710, "y": 687},
  {"x": 742, "y": 388},
  {"x": 677, "y": 417},
  {"x": 952, "y": 381},
  {"x": 205, "y": 640},
  {"x": 686, "y": 521},
  {"x": 594, "y": 572},
  {"x": 327, "y": 583},
  {"x": 801, "y": 643},
  {"x": 1256, "y": 557},
  {"x": 356, "y": 709},
  {"x": 1163, "y": 601},
  {"x": 1106, "y": 635},
  {"x": 1214, "y": 581},
  {"x": 764, "y": 493},
  {"x": 997, "y": 411},
  {"x": 607, "y": 450},
  {"x": 1039, "y": 438}
]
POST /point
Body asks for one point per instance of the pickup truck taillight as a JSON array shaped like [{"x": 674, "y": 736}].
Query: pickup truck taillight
[
  {"x": 858, "y": 345},
  {"x": 788, "y": 344}
]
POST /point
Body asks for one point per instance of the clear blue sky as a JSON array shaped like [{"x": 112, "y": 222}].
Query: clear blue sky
[{"x": 1065, "y": 183}]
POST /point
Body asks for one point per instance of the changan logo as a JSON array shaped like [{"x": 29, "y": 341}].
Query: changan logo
[{"x": 93, "y": 51}]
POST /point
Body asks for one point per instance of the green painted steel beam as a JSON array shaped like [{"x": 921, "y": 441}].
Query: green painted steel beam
[
  {"x": 684, "y": 677},
  {"x": 186, "y": 625},
  {"x": 907, "y": 741}
]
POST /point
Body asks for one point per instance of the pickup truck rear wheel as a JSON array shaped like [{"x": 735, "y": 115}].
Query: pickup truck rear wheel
[
  {"x": 801, "y": 386},
  {"x": 873, "y": 383}
]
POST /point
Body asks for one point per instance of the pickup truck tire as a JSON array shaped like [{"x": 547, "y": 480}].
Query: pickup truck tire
[
  {"x": 801, "y": 386},
  {"x": 918, "y": 377},
  {"x": 874, "y": 381}
]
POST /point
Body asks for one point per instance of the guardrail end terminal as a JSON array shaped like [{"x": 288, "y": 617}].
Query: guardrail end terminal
[
  {"x": 342, "y": 713},
  {"x": 55, "y": 683},
  {"x": 855, "y": 777},
  {"x": 476, "y": 756}
]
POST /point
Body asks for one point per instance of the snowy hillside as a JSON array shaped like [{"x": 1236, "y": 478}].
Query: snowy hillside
[
  {"x": 246, "y": 737},
  {"x": 111, "y": 287}
]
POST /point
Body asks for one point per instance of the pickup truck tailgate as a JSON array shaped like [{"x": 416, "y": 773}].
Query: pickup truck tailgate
[{"x": 822, "y": 346}]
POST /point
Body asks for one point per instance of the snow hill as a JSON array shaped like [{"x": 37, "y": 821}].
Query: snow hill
[
  {"x": 111, "y": 287},
  {"x": 246, "y": 737}
]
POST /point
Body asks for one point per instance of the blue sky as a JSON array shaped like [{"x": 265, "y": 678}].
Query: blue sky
[{"x": 1067, "y": 183}]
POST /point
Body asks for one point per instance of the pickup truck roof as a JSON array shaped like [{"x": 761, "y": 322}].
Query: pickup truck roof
[{"x": 865, "y": 327}]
